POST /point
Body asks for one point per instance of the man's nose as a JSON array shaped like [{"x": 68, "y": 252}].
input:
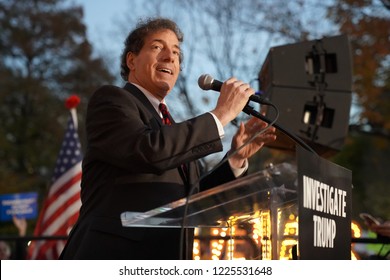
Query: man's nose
[{"x": 168, "y": 55}]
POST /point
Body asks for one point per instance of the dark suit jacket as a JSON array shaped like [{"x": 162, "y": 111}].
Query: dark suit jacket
[{"x": 132, "y": 163}]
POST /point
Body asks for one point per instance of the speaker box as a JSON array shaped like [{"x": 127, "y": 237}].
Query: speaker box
[{"x": 311, "y": 85}]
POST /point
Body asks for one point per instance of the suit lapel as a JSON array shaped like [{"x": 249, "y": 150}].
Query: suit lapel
[{"x": 141, "y": 96}]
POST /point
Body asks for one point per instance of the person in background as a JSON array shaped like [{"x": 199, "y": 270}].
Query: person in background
[{"x": 138, "y": 158}]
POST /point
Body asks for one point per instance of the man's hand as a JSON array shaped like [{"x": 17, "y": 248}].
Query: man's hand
[
  {"x": 246, "y": 132},
  {"x": 232, "y": 99}
]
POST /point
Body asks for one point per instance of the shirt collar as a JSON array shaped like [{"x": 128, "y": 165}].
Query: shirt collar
[{"x": 152, "y": 99}]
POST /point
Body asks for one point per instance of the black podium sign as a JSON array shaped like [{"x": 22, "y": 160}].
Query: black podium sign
[{"x": 325, "y": 203}]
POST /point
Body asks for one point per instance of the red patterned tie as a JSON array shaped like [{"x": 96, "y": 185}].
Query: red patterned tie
[
  {"x": 165, "y": 113},
  {"x": 167, "y": 121}
]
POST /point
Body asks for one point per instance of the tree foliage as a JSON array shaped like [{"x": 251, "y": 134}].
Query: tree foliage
[
  {"x": 368, "y": 25},
  {"x": 44, "y": 57},
  {"x": 367, "y": 152}
]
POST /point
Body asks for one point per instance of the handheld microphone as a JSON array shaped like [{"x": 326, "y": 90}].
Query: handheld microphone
[{"x": 207, "y": 82}]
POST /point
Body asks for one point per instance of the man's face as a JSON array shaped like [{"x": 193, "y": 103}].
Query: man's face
[{"x": 157, "y": 65}]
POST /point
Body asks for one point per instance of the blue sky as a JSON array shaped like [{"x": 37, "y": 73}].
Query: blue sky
[
  {"x": 101, "y": 18},
  {"x": 99, "y": 15}
]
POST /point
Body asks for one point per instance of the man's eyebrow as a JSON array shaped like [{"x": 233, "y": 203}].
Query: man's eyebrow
[{"x": 162, "y": 42}]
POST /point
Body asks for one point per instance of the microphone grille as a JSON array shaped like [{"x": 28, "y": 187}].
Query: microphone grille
[{"x": 205, "y": 82}]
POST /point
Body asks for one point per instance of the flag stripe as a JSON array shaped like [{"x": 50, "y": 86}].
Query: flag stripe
[
  {"x": 58, "y": 218},
  {"x": 58, "y": 199},
  {"x": 62, "y": 217},
  {"x": 64, "y": 178}
]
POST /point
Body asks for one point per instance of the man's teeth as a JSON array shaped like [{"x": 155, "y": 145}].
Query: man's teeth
[{"x": 165, "y": 70}]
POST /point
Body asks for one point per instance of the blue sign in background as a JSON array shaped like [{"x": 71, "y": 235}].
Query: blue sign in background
[{"x": 21, "y": 205}]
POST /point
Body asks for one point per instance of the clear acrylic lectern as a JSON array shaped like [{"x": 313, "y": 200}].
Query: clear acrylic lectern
[{"x": 265, "y": 200}]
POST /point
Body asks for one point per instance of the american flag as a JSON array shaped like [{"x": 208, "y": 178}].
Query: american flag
[{"x": 61, "y": 207}]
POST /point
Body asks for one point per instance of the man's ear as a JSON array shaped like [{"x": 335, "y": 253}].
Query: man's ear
[{"x": 130, "y": 60}]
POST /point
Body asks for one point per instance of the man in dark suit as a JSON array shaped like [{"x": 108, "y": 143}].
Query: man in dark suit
[{"x": 134, "y": 159}]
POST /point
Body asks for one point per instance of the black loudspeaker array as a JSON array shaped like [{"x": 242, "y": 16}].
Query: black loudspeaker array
[{"x": 311, "y": 84}]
